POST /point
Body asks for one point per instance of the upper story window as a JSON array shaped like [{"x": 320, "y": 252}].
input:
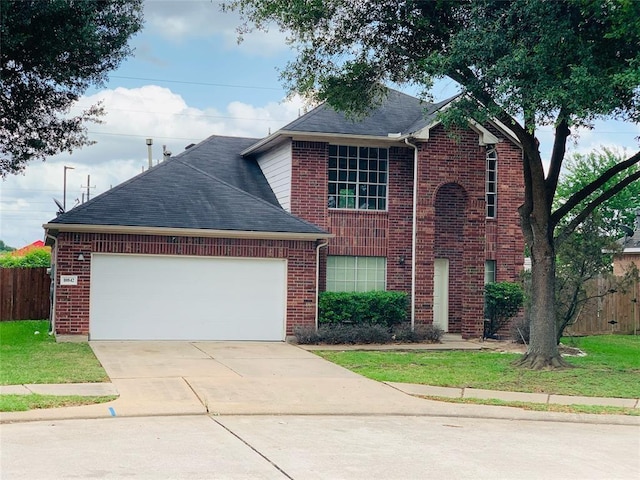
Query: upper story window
[
  {"x": 358, "y": 177},
  {"x": 492, "y": 182}
]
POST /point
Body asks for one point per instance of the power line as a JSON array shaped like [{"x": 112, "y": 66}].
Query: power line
[{"x": 194, "y": 115}]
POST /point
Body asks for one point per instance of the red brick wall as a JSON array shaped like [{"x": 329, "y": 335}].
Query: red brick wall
[
  {"x": 72, "y": 302},
  {"x": 361, "y": 233},
  {"x": 451, "y": 220},
  {"x": 449, "y": 169}
]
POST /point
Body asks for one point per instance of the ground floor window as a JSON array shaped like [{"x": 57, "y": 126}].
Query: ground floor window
[
  {"x": 489, "y": 271},
  {"x": 356, "y": 274}
]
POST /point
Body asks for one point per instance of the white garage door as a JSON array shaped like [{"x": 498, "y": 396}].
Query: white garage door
[{"x": 151, "y": 297}]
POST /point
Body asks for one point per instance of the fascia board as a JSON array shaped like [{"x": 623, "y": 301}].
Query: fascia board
[
  {"x": 485, "y": 137},
  {"x": 391, "y": 138},
  {"x": 55, "y": 228}
]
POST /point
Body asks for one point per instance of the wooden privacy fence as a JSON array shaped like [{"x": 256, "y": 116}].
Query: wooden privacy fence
[
  {"x": 617, "y": 312},
  {"x": 24, "y": 293}
]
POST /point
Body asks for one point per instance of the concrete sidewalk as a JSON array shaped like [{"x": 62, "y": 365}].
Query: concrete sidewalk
[{"x": 253, "y": 378}]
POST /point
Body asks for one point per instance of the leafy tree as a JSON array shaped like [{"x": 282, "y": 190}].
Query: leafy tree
[
  {"x": 526, "y": 63},
  {"x": 51, "y": 52},
  {"x": 587, "y": 252},
  {"x": 581, "y": 170},
  {"x": 5, "y": 248}
]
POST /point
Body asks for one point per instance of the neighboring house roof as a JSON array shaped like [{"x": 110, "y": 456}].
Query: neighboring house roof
[
  {"x": 207, "y": 187},
  {"x": 20, "y": 252}
]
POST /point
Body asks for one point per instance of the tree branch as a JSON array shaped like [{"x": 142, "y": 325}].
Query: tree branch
[
  {"x": 591, "y": 206},
  {"x": 557, "y": 155},
  {"x": 580, "y": 195}
]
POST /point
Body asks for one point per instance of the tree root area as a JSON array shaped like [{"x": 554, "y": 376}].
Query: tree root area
[{"x": 537, "y": 361}]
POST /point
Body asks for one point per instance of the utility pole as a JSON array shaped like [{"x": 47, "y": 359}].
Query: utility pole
[
  {"x": 64, "y": 189},
  {"x": 88, "y": 187}
]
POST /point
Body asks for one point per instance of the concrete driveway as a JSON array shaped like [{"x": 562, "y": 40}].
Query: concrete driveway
[{"x": 240, "y": 378}]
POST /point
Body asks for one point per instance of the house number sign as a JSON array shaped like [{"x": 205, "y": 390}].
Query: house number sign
[{"x": 68, "y": 280}]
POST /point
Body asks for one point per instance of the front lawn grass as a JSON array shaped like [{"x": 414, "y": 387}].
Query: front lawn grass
[
  {"x": 30, "y": 357},
  {"x": 610, "y": 369}
]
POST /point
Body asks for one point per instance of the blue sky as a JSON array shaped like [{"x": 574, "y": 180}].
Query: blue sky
[{"x": 187, "y": 80}]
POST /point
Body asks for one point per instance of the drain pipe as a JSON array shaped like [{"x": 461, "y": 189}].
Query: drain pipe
[
  {"x": 318, "y": 247},
  {"x": 414, "y": 232},
  {"x": 52, "y": 287}
]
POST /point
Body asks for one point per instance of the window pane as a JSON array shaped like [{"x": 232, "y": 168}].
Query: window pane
[
  {"x": 489, "y": 271},
  {"x": 355, "y": 274},
  {"x": 363, "y": 177}
]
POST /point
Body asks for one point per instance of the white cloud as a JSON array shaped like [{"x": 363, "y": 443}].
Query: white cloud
[
  {"x": 183, "y": 20},
  {"x": 121, "y": 151}
]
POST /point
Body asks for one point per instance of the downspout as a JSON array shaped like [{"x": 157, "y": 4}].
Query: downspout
[
  {"x": 52, "y": 288},
  {"x": 318, "y": 247},
  {"x": 414, "y": 232}
]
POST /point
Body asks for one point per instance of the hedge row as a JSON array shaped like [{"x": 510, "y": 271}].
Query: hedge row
[{"x": 356, "y": 308}]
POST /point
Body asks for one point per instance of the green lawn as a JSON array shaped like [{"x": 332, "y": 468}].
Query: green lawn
[
  {"x": 30, "y": 357},
  {"x": 610, "y": 369}
]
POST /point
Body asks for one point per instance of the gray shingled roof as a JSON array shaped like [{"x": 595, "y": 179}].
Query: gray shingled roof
[
  {"x": 398, "y": 113},
  {"x": 209, "y": 186}
]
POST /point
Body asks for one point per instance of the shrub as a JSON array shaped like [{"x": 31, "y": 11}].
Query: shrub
[
  {"x": 345, "y": 334},
  {"x": 36, "y": 257},
  {"x": 337, "y": 334},
  {"x": 375, "y": 308},
  {"x": 421, "y": 333},
  {"x": 306, "y": 335},
  {"x": 502, "y": 301}
]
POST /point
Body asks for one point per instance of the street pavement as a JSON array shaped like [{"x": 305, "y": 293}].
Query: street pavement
[{"x": 317, "y": 447}]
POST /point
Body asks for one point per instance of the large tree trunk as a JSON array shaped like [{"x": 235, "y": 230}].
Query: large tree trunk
[{"x": 543, "y": 349}]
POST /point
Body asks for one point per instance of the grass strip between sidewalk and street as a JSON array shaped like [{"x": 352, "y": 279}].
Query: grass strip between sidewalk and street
[
  {"x": 22, "y": 403},
  {"x": 611, "y": 368}
]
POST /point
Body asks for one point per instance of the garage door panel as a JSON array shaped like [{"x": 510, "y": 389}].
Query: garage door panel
[{"x": 145, "y": 297}]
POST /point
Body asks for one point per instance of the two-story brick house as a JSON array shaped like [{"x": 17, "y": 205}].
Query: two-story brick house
[{"x": 233, "y": 238}]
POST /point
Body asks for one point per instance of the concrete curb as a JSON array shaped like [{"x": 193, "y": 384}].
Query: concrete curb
[{"x": 450, "y": 392}]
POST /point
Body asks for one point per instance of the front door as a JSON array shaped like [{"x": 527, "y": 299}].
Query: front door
[{"x": 441, "y": 293}]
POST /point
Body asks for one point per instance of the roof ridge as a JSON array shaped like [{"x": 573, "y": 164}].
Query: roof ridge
[{"x": 210, "y": 137}]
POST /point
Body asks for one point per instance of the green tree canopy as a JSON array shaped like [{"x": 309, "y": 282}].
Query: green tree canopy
[
  {"x": 586, "y": 253},
  {"x": 51, "y": 51},
  {"x": 5, "y": 248},
  {"x": 526, "y": 63},
  {"x": 581, "y": 170}
]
